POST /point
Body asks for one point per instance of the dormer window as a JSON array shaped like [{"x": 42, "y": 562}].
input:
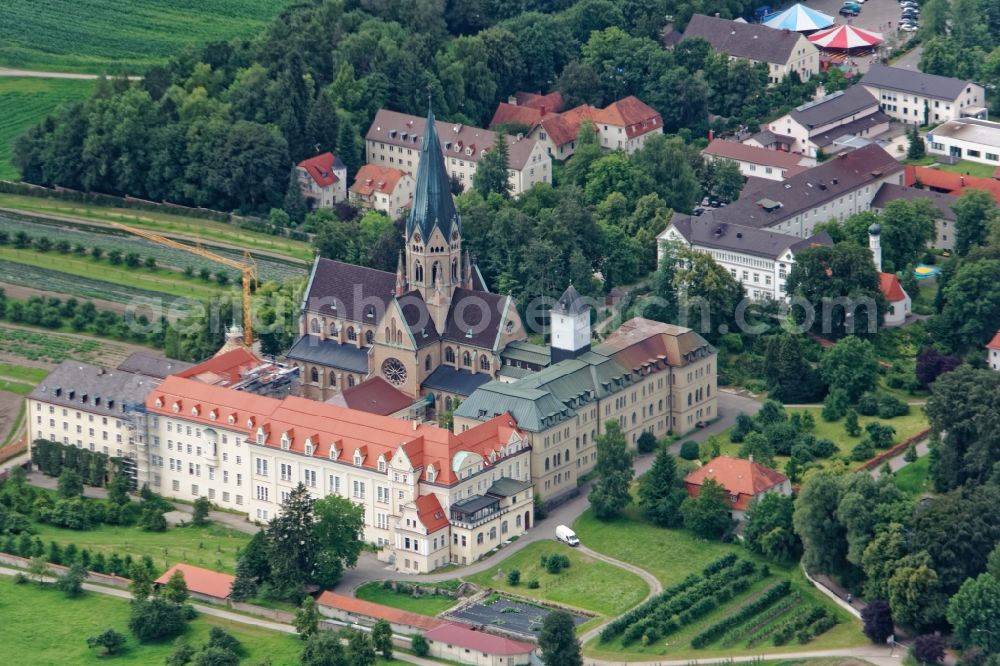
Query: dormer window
[
  {"x": 285, "y": 441},
  {"x": 249, "y": 423},
  {"x": 194, "y": 411},
  {"x": 212, "y": 415},
  {"x": 158, "y": 403},
  {"x": 176, "y": 408},
  {"x": 231, "y": 420},
  {"x": 357, "y": 458},
  {"x": 381, "y": 464},
  {"x": 260, "y": 436},
  {"x": 334, "y": 453},
  {"x": 309, "y": 448},
  {"x": 431, "y": 474}
]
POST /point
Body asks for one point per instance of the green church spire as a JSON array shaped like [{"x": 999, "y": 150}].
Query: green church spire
[{"x": 432, "y": 202}]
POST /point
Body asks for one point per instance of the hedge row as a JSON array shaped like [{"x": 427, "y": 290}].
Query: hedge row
[
  {"x": 695, "y": 603},
  {"x": 763, "y": 624},
  {"x": 769, "y": 597},
  {"x": 786, "y": 631},
  {"x": 619, "y": 625}
]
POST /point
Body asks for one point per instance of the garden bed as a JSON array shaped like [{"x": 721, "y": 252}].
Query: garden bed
[{"x": 507, "y": 614}]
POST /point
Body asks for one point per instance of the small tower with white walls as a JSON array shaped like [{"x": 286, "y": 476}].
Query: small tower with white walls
[
  {"x": 570, "y": 322},
  {"x": 875, "y": 245}
]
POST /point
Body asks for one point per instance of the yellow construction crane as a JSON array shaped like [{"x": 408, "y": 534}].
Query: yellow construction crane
[{"x": 247, "y": 267}]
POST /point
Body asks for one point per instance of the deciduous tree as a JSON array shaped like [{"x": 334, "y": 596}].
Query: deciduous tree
[
  {"x": 851, "y": 366},
  {"x": 974, "y": 613},
  {"x": 708, "y": 514},
  {"x": 109, "y": 639},
  {"x": 306, "y": 620},
  {"x": 557, "y": 640}
]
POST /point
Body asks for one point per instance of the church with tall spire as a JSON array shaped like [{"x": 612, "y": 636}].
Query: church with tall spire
[{"x": 431, "y": 329}]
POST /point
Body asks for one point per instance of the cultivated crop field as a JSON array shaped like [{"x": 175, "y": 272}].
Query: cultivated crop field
[
  {"x": 55, "y": 348},
  {"x": 112, "y": 239},
  {"x": 24, "y": 102},
  {"x": 100, "y": 36}
]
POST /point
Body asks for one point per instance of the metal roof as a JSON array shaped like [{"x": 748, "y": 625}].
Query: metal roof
[
  {"x": 433, "y": 205},
  {"x": 313, "y": 349},
  {"x": 914, "y": 81}
]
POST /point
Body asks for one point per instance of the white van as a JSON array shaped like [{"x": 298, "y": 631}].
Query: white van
[{"x": 567, "y": 536}]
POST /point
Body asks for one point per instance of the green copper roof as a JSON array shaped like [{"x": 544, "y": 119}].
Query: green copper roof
[{"x": 432, "y": 202}]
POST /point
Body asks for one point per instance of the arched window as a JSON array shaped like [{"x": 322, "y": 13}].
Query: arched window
[
  {"x": 454, "y": 270},
  {"x": 517, "y": 521},
  {"x": 333, "y": 328},
  {"x": 467, "y": 359},
  {"x": 503, "y": 527},
  {"x": 314, "y": 325},
  {"x": 689, "y": 399},
  {"x": 435, "y": 272},
  {"x": 350, "y": 381},
  {"x": 369, "y": 337},
  {"x": 399, "y": 337},
  {"x": 479, "y": 538},
  {"x": 493, "y": 533},
  {"x": 314, "y": 375},
  {"x": 449, "y": 355},
  {"x": 447, "y": 404},
  {"x": 633, "y": 418},
  {"x": 546, "y": 464},
  {"x": 418, "y": 272},
  {"x": 484, "y": 363},
  {"x": 351, "y": 334},
  {"x": 427, "y": 363},
  {"x": 567, "y": 455},
  {"x": 333, "y": 378},
  {"x": 388, "y": 335}
]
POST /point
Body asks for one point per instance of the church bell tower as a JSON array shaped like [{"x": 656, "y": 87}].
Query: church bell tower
[{"x": 434, "y": 231}]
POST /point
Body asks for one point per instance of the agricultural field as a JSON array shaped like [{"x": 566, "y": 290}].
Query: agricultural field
[
  {"x": 168, "y": 223},
  {"x": 53, "y": 348},
  {"x": 718, "y": 599},
  {"x": 212, "y": 547},
  {"x": 42, "y": 626},
  {"x": 89, "y": 236},
  {"x": 101, "y": 37},
  {"x": 583, "y": 585},
  {"x": 24, "y": 102}
]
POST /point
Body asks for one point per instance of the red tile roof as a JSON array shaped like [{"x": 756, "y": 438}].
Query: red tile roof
[
  {"x": 375, "y": 396},
  {"x": 224, "y": 369},
  {"x": 200, "y": 581},
  {"x": 889, "y": 285},
  {"x": 464, "y": 636},
  {"x": 374, "y": 178},
  {"x": 950, "y": 182},
  {"x": 742, "y": 152},
  {"x": 631, "y": 113},
  {"x": 329, "y": 428},
  {"x": 378, "y": 611},
  {"x": 740, "y": 477},
  {"x": 510, "y": 113},
  {"x": 320, "y": 168},
  {"x": 552, "y": 103},
  {"x": 430, "y": 513},
  {"x": 995, "y": 342}
]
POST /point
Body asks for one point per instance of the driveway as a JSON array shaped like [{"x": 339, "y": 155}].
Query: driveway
[{"x": 370, "y": 569}]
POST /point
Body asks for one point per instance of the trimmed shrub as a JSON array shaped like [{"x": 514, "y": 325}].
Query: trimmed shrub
[{"x": 689, "y": 450}]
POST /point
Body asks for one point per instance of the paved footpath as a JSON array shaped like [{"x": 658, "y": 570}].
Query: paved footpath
[{"x": 34, "y": 74}]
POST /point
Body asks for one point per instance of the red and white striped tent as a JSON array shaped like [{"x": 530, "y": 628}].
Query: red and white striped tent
[{"x": 845, "y": 37}]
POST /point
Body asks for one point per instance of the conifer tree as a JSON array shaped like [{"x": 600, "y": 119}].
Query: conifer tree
[{"x": 661, "y": 491}]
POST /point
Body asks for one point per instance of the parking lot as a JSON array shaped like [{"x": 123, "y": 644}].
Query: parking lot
[{"x": 876, "y": 15}]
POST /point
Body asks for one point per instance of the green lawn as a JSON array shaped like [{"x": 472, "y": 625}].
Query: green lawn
[
  {"x": 588, "y": 584},
  {"x": 24, "y": 102},
  {"x": 914, "y": 479},
  {"x": 427, "y": 604},
  {"x": 42, "y": 627},
  {"x": 22, "y": 373},
  {"x": 906, "y": 426},
  {"x": 167, "y": 223},
  {"x": 19, "y": 388},
  {"x": 672, "y": 555},
  {"x": 100, "y": 36},
  {"x": 160, "y": 280},
  {"x": 212, "y": 547},
  {"x": 967, "y": 168}
]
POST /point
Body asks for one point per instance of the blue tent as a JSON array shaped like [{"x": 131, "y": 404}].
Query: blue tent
[{"x": 799, "y": 18}]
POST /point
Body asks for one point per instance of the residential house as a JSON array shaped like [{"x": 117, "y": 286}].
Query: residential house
[
  {"x": 832, "y": 190},
  {"x": 323, "y": 180},
  {"x": 202, "y": 584},
  {"x": 395, "y": 139},
  {"x": 526, "y": 109},
  {"x": 757, "y": 162},
  {"x": 783, "y": 51},
  {"x": 647, "y": 375},
  {"x": 759, "y": 259},
  {"x": 384, "y": 189},
  {"x": 967, "y": 139},
  {"x": 944, "y": 234},
  {"x": 948, "y": 182},
  {"x": 915, "y": 97},
  {"x": 993, "y": 352},
  {"x": 817, "y": 125},
  {"x": 623, "y": 125},
  {"x": 744, "y": 480}
]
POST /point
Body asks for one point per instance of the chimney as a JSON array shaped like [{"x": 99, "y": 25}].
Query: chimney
[
  {"x": 541, "y": 110},
  {"x": 414, "y": 426},
  {"x": 718, "y": 15},
  {"x": 750, "y": 457}
]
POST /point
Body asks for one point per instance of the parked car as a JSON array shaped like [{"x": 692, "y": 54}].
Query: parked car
[
  {"x": 847, "y": 11},
  {"x": 909, "y": 27},
  {"x": 567, "y": 536},
  {"x": 853, "y": 5}
]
